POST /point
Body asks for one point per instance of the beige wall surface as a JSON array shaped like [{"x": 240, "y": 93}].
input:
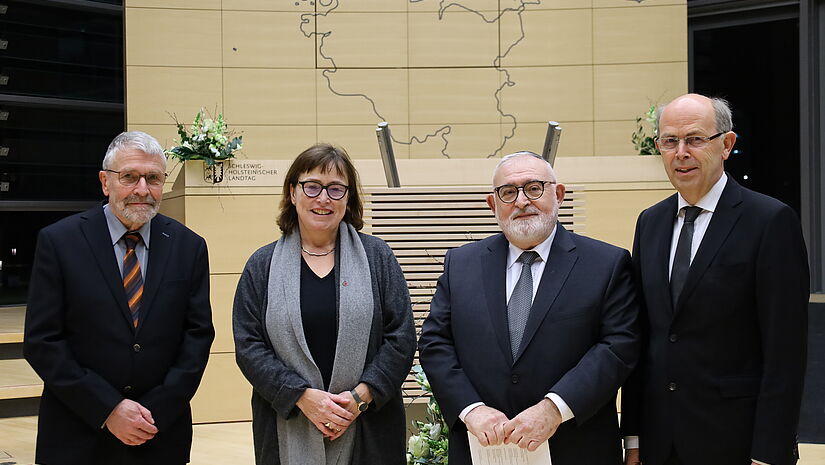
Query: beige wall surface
[
  {"x": 466, "y": 79},
  {"x": 458, "y": 82}
]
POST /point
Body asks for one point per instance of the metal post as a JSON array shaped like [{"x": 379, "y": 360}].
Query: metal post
[
  {"x": 387, "y": 154},
  {"x": 551, "y": 142}
]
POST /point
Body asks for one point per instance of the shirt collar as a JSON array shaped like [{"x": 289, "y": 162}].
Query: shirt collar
[
  {"x": 711, "y": 199},
  {"x": 543, "y": 249},
  {"x": 117, "y": 229}
]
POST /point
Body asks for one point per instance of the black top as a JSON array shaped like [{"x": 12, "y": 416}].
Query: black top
[{"x": 319, "y": 316}]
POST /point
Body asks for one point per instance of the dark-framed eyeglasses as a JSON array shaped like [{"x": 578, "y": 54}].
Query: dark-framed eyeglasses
[
  {"x": 533, "y": 190},
  {"x": 697, "y": 142},
  {"x": 334, "y": 190},
  {"x": 131, "y": 178}
]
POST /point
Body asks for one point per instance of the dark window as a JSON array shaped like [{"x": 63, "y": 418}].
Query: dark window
[
  {"x": 756, "y": 68},
  {"x": 61, "y": 103}
]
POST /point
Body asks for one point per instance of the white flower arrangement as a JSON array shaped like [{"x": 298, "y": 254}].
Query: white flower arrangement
[
  {"x": 429, "y": 445},
  {"x": 208, "y": 139}
]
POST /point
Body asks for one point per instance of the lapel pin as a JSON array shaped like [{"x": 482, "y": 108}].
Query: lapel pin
[{"x": 167, "y": 235}]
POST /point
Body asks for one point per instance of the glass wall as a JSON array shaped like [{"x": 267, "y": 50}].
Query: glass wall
[{"x": 61, "y": 102}]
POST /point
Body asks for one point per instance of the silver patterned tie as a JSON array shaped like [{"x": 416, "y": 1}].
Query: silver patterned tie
[{"x": 518, "y": 308}]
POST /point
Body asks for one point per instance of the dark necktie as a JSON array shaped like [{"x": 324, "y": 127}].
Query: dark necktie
[
  {"x": 518, "y": 309},
  {"x": 132, "y": 278},
  {"x": 681, "y": 259}
]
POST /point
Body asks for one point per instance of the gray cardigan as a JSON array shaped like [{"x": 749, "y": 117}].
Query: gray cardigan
[{"x": 276, "y": 387}]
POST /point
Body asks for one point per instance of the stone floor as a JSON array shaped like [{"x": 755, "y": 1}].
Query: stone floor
[{"x": 218, "y": 444}]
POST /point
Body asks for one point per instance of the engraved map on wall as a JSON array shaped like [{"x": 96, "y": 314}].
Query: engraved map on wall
[
  {"x": 453, "y": 78},
  {"x": 481, "y": 25}
]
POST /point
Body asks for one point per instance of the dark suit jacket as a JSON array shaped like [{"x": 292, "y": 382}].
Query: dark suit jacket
[
  {"x": 581, "y": 341},
  {"x": 80, "y": 340},
  {"x": 721, "y": 376}
]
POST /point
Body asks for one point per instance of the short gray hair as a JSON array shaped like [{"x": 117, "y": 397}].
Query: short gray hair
[
  {"x": 721, "y": 110},
  {"x": 137, "y": 140},
  {"x": 524, "y": 153}
]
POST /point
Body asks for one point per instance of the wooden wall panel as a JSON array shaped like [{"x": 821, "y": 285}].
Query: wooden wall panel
[
  {"x": 269, "y": 96},
  {"x": 224, "y": 394},
  {"x": 270, "y": 142},
  {"x": 363, "y": 40},
  {"x": 613, "y": 137},
  {"x": 623, "y": 92},
  {"x": 175, "y": 4},
  {"x": 358, "y": 96},
  {"x": 153, "y": 93},
  {"x": 557, "y": 37},
  {"x": 550, "y": 93},
  {"x": 262, "y": 39},
  {"x": 152, "y": 30},
  {"x": 639, "y": 35},
  {"x": 222, "y": 294},
  {"x": 453, "y": 95},
  {"x": 457, "y": 39},
  {"x": 222, "y": 220}
]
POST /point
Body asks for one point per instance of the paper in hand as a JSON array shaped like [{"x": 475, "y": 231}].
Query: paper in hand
[{"x": 507, "y": 454}]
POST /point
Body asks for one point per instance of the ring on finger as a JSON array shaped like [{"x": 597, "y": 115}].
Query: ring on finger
[{"x": 328, "y": 424}]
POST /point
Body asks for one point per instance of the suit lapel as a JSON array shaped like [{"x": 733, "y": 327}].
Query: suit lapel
[
  {"x": 559, "y": 263},
  {"x": 721, "y": 223},
  {"x": 494, "y": 267},
  {"x": 660, "y": 240},
  {"x": 160, "y": 246},
  {"x": 96, "y": 232}
]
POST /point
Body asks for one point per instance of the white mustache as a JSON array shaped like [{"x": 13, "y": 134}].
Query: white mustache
[{"x": 530, "y": 209}]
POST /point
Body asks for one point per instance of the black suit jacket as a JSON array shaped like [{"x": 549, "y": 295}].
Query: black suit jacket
[
  {"x": 720, "y": 378},
  {"x": 79, "y": 338},
  {"x": 581, "y": 341}
]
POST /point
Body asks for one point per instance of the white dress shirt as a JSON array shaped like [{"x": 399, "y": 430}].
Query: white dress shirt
[{"x": 513, "y": 274}]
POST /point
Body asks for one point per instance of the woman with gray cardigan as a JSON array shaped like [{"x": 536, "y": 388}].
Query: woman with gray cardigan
[{"x": 323, "y": 327}]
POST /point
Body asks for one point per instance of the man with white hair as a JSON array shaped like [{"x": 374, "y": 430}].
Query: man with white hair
[
  {"x": 531, "y": 332},
  {"x": 118, "y": 322}
]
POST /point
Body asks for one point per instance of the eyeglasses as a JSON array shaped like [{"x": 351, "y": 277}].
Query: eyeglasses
[
  {"x": 696, "y": 142},
  {"x": 131, "y": 178},
  {"x": 313, "y": 189},
  {"x": 533, "y": 190}
]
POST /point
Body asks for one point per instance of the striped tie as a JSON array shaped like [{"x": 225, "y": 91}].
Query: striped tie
[{"x": 132, "y": 278}]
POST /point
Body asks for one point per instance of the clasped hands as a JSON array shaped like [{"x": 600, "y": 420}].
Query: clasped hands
[
  {"x": 529, "y": 429},
  {"x": 131, "y": 422},
  {"x": 331, "y": 413}
]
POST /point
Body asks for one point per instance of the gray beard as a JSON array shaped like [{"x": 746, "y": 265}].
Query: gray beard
[
  {"x": 531, "y": 230},
  {"x": 138, "y": 215}
]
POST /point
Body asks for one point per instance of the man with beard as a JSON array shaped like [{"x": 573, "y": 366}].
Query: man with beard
[
  {"x": 118, "y": 323},
  {"x": 531, "y": 332}
]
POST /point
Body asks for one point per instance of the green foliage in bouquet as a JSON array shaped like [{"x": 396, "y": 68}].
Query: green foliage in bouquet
[
  {"x": 429, "y": 445},
  {"x": 645, "y": 144},
  {"x": 208, "y": 139}
]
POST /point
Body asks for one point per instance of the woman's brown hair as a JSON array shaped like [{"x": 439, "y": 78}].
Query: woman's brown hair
[{"x": 327, "y": 157}]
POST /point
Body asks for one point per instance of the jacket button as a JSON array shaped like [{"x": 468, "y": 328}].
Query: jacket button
[
  {"x": 514, "y": 379},
  {"x": 673, "y": 338},
  {"x": 127, "y": 389},
  {"x": 671, "y": 386},
  {"x": 136, "y": 347}
]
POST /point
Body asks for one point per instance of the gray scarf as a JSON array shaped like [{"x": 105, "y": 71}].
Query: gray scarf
[{"x": 299, "y": 440}]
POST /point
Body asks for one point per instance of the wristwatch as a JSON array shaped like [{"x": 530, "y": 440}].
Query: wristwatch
[{"x": 362, "y": 406}]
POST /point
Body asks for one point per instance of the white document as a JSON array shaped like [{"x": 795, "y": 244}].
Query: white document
[{"x": 507, "y": 454}]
